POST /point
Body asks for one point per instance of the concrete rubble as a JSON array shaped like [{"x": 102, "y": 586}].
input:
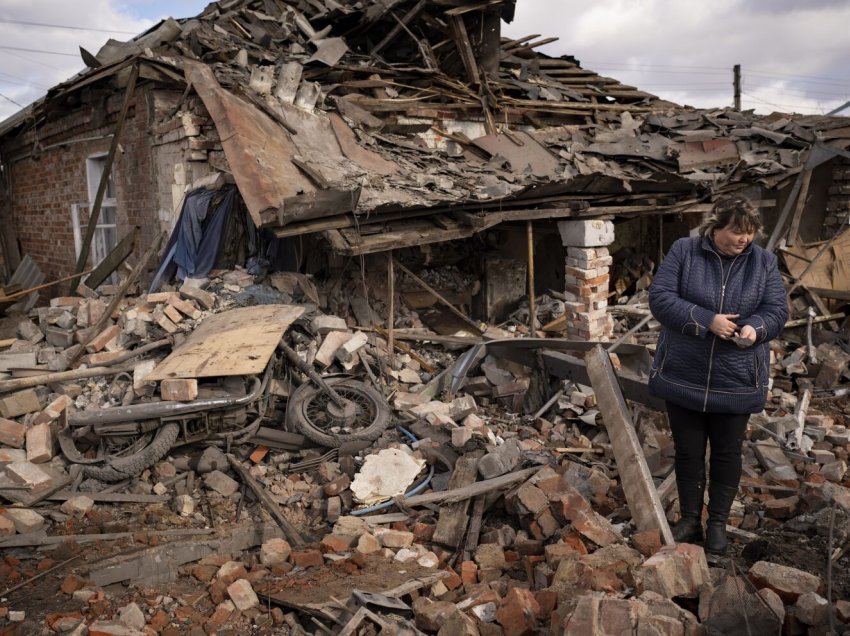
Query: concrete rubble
[{"x": 514, "y": 519}]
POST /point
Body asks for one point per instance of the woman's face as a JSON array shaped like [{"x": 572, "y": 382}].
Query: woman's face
[{"x": 732, "y": 240}]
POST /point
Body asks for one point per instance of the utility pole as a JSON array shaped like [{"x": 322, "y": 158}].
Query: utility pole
[{"x": 736, "y": 83}]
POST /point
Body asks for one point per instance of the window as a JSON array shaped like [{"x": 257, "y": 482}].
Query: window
[{"x": 106, "y": 231}]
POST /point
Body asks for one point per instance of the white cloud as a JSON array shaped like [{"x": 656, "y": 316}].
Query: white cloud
[
  {"x": 794, "y": 56},
  {"x": 26, "y": 74}
]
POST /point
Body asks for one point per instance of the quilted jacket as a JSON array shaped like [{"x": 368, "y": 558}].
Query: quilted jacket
[{"x": 694, "y": 368}]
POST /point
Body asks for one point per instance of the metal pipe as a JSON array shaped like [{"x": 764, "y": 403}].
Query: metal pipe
[{"x": 153, "y": 410}]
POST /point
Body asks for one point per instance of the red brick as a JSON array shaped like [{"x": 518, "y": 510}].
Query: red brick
[{"x": 307, "y": 558}]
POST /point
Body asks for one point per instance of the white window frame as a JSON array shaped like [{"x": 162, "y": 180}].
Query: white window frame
[{"x": 106, "y": 233}]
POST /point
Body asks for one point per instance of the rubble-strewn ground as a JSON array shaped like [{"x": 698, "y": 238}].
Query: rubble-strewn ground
[{"x": 547, "y": 544}]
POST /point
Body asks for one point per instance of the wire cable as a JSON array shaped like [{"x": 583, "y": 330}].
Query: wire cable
[
  {"x": 15, "y": 48},
  {"x": 11, "y": 100},
  {"x": 63, "y": 26}
]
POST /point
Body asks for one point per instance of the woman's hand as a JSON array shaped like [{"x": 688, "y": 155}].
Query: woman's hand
[
  {"x": 723, "y": 327},
  {"x": 749, "y": 333}
]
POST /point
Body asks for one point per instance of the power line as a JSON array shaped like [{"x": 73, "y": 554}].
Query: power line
[
  {"x": 797, "y": 106},
  {"x": 644, "y": 67},
  {"x": 29, "y": 59},
  {"x": 15, "y": 48},
  {"x": 63, "y": 26},
  {"x": 11, "y": 100},
  {"x": 3, "y": 80}
]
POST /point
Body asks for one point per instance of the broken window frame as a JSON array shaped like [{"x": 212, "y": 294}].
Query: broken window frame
[{"x": 106, "y": 231}]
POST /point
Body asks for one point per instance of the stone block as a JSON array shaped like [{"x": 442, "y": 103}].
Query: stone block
[
  {"x": 20, "y": 403},
  {"x": 532, "y": 498},
  {"x": 27, "y": 474},
  {"x": 503, "y": 460},
  {"x": 77, "y": 507},
  {"x": 789, "y": 583},
  {"x": 490, "y": 556},
  {"x": 275, "y": 551},
  {"x": 332, "y": 341},
  {"x": 834, "y": 471},
  {"x": 183, "y": 505},
  {"x": 98, "y": 343},
  {"x": 25, "y": 520},
  {"x": 679, "y": 570},
  {"x": 12, "y": 433},
  {"x": 586, "y": 233},
  {"x": 394, "y": 538},
  {"x": 231, "y": 571},
  {"x": 347, "y": 351},
  {"x": 221, "y": 483},
  {"x": 323, "y": 324},
  {"x": 307, "y": 558},
  {"x": 811, "y": 609},
  {"x": 179, "y": 389},
  {"x": 461, "y": 407},
  {"x": 132, "y": 616},
  {"x": 193, "y": 292},
  {"x": 186, "y": 308},
  {"x": 53, "y": 410},
  {"x": 517, "y": 612},
  {"x": 242, "y": 595},
  {"x": 61, "y": 338},
  {"x": 40, "y": 443},
  {"x": 141, "y": 386}
]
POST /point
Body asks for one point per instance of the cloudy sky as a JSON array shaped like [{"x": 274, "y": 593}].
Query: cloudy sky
[{"x": 793, "y": 53}]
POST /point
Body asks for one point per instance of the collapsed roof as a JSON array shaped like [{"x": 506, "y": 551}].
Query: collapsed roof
[{"x": 343, "y": 115}]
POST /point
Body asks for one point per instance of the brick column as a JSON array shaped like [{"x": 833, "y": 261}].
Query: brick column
[{"x": 587, "y": 278}]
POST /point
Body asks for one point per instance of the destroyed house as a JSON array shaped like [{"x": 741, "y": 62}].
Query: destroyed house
[{"x": 364, "y": 127}]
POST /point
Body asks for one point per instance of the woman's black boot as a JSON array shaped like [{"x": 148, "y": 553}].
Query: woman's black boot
[
  {"x": 689, "y": 527},
  {"x": 720, "y": 499}
]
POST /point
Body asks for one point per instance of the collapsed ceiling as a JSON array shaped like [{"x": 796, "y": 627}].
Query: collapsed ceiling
[{"x": 345, "y": 116}]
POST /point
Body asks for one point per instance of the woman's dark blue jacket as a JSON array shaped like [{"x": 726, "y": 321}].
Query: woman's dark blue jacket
[{"x": 694, "y": 368}]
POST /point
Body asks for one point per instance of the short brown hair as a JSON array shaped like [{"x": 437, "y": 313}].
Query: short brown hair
[{"x": 737, "y": 211}]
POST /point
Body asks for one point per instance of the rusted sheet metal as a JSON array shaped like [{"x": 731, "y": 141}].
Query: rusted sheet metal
[
  {"x": 258, "y": 150},
  {"x": 361, "y": 156},
  {"x": 523, "y": 152}
]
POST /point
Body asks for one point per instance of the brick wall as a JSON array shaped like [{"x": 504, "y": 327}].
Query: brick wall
[
  {"x": 47, "y": 178},
  {"x": 161, "y": 153}
]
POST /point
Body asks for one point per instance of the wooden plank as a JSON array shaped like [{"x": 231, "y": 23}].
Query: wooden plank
[
  {"x": 473, "y": 490},
  {"x": 451, "y": 525},
  {"x": 635, "y": 478},
  {"x": 109, "y": 264},
  {"x": 801, "y": 204},
  {"x": 464, "y": 48},
  {"x": 235, "y": 342},
  {"x": 271, "y": 506}
]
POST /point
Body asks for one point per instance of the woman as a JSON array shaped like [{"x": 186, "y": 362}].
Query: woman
[{"x": 710, "y": 289}]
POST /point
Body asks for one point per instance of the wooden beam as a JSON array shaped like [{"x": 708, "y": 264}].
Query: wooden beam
[
  {"x": 271, "y": 506},
  {"x": 464, "y": 48},
  {"x": 451, "y": 525},
  {"x": 801, "y": 204},
  {"x": 532, "y": 309},
  {"x": 391, "y": 310},
  {"x": 473, "y": 490},
  {"x": 635, "y": 478},
  {"x": 109, "y": 264},
  {"x": 439, "y": 297}
]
